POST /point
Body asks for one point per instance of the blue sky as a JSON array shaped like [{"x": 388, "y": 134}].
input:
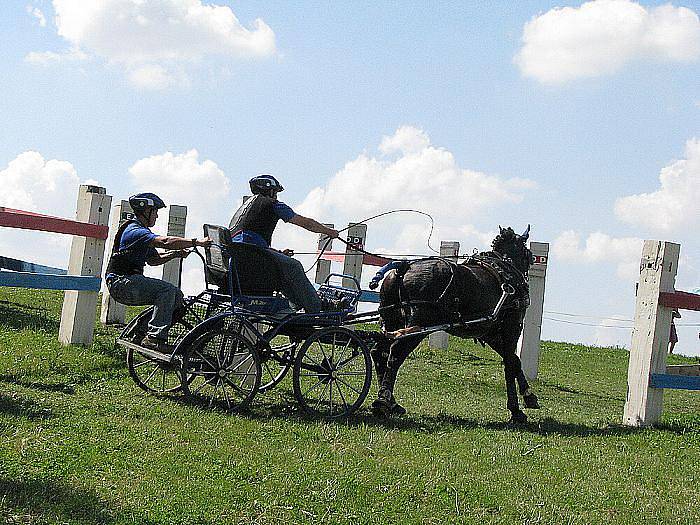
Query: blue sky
[{"x": 558, "y": 114}]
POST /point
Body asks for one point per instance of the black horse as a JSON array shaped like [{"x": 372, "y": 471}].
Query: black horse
[{"x": 484, "y": 298}]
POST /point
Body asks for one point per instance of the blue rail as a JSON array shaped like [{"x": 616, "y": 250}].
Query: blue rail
[
  {"x": 49, "y": 281},
  {"x": 16, "y": 265},
  {"x": 675, "y": 381}
]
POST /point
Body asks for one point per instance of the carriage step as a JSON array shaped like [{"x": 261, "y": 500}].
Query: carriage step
[{"x": 160, "y": 356}]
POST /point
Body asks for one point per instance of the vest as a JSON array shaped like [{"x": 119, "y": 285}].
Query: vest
[
  {"x": 256, "y": 215},
  {"x": 121, "y": 261}
]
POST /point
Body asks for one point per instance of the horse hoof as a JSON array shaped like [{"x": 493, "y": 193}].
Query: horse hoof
[
  {"x": 531, "y": 401},
  {"x": 518, "y": 418},
  {"x": 397, "y": 410},
  {"x": 381, "y": 408}
]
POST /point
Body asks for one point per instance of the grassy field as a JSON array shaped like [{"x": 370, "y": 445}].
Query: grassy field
[{"x": 81, "y": 444}]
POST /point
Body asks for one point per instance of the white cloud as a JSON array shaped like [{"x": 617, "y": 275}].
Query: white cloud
[
  {"x": 50, "y": 187},
  {"x": 602, "y": 36},
  {"x": 423, "y": 176},
  {"x": 156, "y": 42},
  {"x": 38, "y": 14},
  {"x": 408, "y": 172},
  {"x": 34, "y": 184},
  {"x": 675, "y": 204},
  {"x": 624, "y": 252},
  {"x": 613, "y": 331},
  {"x": 46, "y": 58},
  {"x": 183, "y": 179}
]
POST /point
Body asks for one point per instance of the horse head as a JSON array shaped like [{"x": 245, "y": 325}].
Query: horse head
[{"x": 514, "y": 246}]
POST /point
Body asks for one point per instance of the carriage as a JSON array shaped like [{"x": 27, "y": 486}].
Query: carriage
[{"x": 237, "y": 338}]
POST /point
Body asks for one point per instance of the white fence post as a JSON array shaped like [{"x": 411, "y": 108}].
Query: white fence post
[
  {"x": 529, "y": 347},
  {"x": 177, "y": 219},
  {"x": 357, "y": 233},
  {"x": 449, "y": 250},
  {"x": 652, "y": 324},
  {"x": 323, "y": 267},
  {"x": 111, "y": 311},
  {"x": 86, "y": 253}
]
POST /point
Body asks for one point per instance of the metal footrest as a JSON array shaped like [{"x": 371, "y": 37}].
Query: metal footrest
[{"x": 159, "y": 356}]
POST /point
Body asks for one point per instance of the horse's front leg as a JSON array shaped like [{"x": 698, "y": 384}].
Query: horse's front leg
[
  {"x": 529, "y": 397},
  {"x": 511, "y": 361}
]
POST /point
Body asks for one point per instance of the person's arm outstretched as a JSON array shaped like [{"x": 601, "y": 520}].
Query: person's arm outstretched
[{"x": 313, "y": 226}]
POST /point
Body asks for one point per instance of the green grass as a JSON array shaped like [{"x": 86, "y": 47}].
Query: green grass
[{"x": 81, "y": 444}]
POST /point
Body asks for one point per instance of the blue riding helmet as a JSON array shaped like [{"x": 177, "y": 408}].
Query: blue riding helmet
[
  {"x": 264, "y": 184},
  {"x": 143, "y": 201}
]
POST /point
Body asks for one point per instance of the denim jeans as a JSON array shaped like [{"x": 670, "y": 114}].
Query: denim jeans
[
  {"x": 296, "y": 287},
  {"x": 137, "y": 290}
]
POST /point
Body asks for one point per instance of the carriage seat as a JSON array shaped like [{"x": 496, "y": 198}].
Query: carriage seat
[{"x": 257, "y": 273}]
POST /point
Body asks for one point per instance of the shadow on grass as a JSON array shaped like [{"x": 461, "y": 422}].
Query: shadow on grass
[
  {"x": 434, "y": 424},
  {"x": 18, "y": 407},
  {"x": 64, "y": 388},
  {"x": 25, "y": 501},
  {"x": 568, "y": 390},
  {"x": 17, "y": 316}
]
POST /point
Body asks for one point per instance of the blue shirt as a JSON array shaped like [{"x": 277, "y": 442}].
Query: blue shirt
[
  {"x": 280, "y": 209},
  {"x": 137, "y": 238}
]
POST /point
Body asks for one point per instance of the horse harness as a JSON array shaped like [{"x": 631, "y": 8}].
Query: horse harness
[{"x": 512, "y": 281}]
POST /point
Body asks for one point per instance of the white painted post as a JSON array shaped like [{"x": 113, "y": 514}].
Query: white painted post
[
  {"x": 323, "y": 267},
  {"x": 111, "y": 311},
  {"x": 529, "y": 347},
  {"x": 449, "y": 250},
  {"x": 357, "y": 233},
  {"x": 652, "y": 324},
  {"x": 177, "y": 218},
  {"x": 79, "y": 308}
]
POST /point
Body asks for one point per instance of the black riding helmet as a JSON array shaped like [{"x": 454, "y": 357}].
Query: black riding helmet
[
  {"x": 264, "y": 184},
  {"x": 143, "y": 201}
]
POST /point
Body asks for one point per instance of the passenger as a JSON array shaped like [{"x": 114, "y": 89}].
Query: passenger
[
  {"x": 254, "y": 223},
  {"x": 134, "y": 247}
]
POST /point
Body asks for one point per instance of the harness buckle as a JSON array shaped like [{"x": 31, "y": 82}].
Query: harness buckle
[{"x": 508, "y": 289}]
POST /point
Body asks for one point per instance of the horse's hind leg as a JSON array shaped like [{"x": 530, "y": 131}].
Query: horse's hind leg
[{"x": 399, "y": 350}]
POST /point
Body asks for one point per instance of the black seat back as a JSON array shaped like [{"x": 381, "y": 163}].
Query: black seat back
[
  {"x": 258, "y": 273},
  {"x": 253, "y": 268},
  {"x": 217, "y": 260}
]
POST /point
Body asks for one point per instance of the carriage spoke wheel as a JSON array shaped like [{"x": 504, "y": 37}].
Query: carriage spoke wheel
[
  {"x": 150, "y": 374},
  {"x": 153, "y": 375},
  {"x": 223, "y": 370},
  {"x": 276, "y": 361},
  {"x": 332, "y": 373}
]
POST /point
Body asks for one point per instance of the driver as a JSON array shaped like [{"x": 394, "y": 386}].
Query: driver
[
  {"x": 134, "y": 247},
  {"x": 255, "y": 221}
]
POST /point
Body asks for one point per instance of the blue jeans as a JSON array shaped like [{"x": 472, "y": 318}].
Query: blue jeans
[
  {"x": 296, "y": 287},
  {"x": 137, "y": 290}
]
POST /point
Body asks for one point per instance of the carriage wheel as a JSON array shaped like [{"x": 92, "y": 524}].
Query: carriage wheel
[
  {"x": 152, "y": 375},
  {"x": 223, "y": 370},
  {"x": 332, "y": 373},
  {"x": 276, "y": 361}
]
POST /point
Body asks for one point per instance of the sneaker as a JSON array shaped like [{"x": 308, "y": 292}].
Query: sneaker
[{"x": 156, "y": 344}]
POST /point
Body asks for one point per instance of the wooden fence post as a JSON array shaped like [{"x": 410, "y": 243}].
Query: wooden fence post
[
  {"x": 357, "y": 233},
  {"x": 111, "y": 311},
  {"x": 323, "y": 267},
  {"x": 79, "y": 308},
  {"x": 177, "y": 218},
  {"x": 449, "y": 250},
  {"x": 652, "y": 324},
  {"x": 529, "y": 347}
]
